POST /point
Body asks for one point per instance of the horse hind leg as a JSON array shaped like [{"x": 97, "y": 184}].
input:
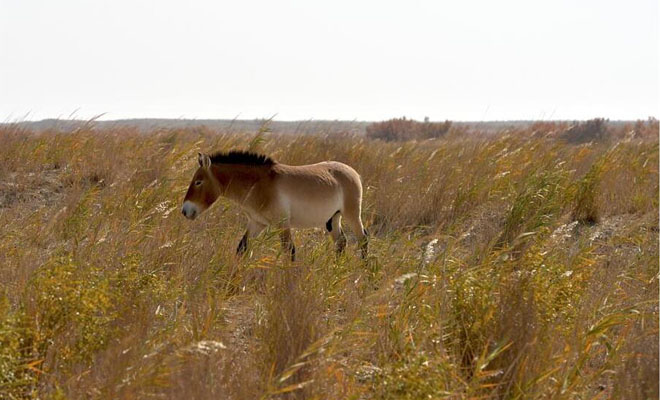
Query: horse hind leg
[
  {"x": 333, "y": 227},
  {"x": 363, "y": 241},
  {"x": 354, "y": 220}
]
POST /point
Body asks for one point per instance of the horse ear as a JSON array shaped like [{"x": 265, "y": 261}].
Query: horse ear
[{"x": 204, "y": 160}]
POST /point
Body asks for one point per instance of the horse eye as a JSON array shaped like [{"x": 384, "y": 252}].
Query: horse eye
[{"x": 197, "y": 183}]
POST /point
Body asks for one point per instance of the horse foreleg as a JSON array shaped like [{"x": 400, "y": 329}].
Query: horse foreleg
[
  {"x": 287, "y": 242},
  {"x": 242, "y": 245},
  {"x": 253, "y": 229}
]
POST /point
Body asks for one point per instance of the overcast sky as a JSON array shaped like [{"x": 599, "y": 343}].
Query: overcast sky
[{"x": 340, "y": 59}]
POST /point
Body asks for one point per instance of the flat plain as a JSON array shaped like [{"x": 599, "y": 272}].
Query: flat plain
[{"x": 517, "y": 264}]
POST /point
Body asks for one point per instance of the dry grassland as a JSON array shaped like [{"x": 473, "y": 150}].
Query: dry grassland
[{"x": 511, "y": 266}]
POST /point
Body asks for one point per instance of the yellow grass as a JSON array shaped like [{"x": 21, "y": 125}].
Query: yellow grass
[{"x": 478, "y": 285}]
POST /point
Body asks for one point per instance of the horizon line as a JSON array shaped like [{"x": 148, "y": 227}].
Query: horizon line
[{"x": 272, "y": 119}]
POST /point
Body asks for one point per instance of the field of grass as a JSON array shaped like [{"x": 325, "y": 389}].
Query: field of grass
[{"x": 510, "y": 266}]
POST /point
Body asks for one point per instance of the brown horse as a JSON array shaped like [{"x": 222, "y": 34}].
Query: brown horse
[{"x": 286, "y": 196}]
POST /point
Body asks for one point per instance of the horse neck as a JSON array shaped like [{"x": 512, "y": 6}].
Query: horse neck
[{"x": 236, "y": 180}]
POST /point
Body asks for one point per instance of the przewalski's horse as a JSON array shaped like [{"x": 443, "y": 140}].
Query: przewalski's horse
[{"x": 286, "y": 196}]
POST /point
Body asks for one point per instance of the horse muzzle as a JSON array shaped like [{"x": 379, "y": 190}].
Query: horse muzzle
[{"x": 190, "y": 210}]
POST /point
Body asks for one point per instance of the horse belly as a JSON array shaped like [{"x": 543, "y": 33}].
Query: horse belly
[{"x": 314, "y": 212}]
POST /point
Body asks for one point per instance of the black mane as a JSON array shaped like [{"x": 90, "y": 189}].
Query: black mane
[{"x": 241, "y": 157}]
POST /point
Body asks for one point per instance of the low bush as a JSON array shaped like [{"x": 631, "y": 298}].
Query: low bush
[{"x": 401, "y": 129}]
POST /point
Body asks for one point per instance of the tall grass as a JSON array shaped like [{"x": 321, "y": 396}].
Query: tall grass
[{"x": 510, "y": 266}]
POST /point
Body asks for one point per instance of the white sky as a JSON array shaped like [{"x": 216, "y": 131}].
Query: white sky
[{"x": 339, "y": 59}]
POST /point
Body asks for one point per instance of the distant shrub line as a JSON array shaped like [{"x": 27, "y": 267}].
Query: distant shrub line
[
  {"x": 576, "y": 132},
  {"x": 401, "y": 129}
]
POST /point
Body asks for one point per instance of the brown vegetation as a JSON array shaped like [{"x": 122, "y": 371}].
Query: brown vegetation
[
  {"x": 509, "y": 266},
  {"x": 400, "y": 129}
]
